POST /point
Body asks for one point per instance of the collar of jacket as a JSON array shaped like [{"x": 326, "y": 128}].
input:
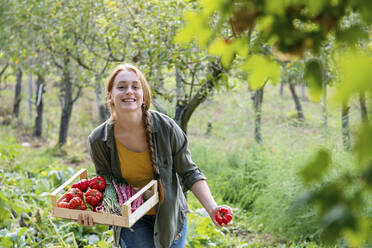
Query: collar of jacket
[{"x": 109, "y": 130}]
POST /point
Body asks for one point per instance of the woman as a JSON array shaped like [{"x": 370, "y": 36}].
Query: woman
[{"x": 137, "y": 145}]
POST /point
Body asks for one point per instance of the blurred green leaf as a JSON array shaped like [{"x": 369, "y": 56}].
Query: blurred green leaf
[
  {"x": 260, "y": 69},
  {"x": 209, "y": 6},
  {"x": 355, "y": 237},
  {"x": 221, "y": 47},
  {"x": 315, "y": 169},
  {"x": 196, "y": 27},
  {"x": 367, "y": 174},
  {"x": 275, "y": 7},
  {"x": 353, "y": 34},
  {"x": 363, "y": 146},
  {"x": 316, "y": 6},
  {"x": 365, "y": 8},
  {"x": 227, "y": 49},
  {"x": 313, "y": 77},
  {"x": 329, "y": 195},
  {"x": 355, "y": 73},
  {"x": 336, "y": 219}
]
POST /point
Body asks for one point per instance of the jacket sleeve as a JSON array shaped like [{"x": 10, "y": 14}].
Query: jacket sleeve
[
  {"x": 183, "y": 164},
  {"x": 99, "y": 156}
]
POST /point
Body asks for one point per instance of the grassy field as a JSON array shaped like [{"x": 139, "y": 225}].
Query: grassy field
[{"x": 260, "y": 182}]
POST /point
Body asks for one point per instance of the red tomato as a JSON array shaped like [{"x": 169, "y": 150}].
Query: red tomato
[
  {"x": 74, "y": 192},
  {"x": 97, "y": 183},
  {"x": 75, "y": 203},
  {"x": 224, "y": 215},
  {"x": 62, "y": 204},
  {"x": 93, "y": 196},
  {"x": 83, "y": 184}
]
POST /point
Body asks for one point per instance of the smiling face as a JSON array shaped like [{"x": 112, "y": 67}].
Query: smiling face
[
  {"x": 129, "y": 78},
  {"x": 126, "y": 92}
]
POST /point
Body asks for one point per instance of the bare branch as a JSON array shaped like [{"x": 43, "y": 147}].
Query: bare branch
[
  {"x": 202, "y": 94},
  {"x": 77, "y": 94},
  {"x": 159, "y": 107},
  {"x": 4, "y": 69}
]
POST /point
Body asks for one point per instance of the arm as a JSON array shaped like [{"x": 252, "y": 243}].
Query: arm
[
  {"x": 191, "y": 176},
  {"x": 203, "y": 194}
]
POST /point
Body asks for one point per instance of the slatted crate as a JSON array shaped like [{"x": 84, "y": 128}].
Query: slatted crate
[{"x": 126, "y": 220}]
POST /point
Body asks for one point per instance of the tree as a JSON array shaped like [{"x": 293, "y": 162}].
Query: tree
[
  {"x": 17, "y": 92},
  {"x": 257, "y": 105},
  {"x": 55, "y": 24},
  {"x": 148, "y": 41},
  {"x": 292, "y": 74},
  {"x": 40, "y": 88},
  {"x": 363, "y": 107}
]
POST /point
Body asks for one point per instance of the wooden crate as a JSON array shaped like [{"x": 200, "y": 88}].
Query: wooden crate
[{"x": 126, "y": 220}]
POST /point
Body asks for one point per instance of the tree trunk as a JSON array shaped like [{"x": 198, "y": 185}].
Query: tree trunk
[
  {"x": 300, "y": 114},
  {"x": 40, "y": 84},
  {"x": 102, "y": 109},
  {"x": 346, "y": 127},
  {"x": 17, "y": 93},
  {"x": 363, "y": 107},
  {"x": 281, "y": 90},
  {"x": 324, "y": 104},
  {"x": 215, "y": 69},
  {"x": 180, "y": 102},
  {"x": 67, "y": 102},
  {"x": 303, "y": 88},
  {"x": 257, "y": 105},
  {"x": 29, "y": 96}
]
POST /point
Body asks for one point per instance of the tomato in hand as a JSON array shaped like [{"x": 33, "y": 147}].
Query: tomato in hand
[{"x": 224, "y": 215}]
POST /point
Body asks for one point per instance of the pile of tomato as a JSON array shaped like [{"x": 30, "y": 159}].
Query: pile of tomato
[{"x": 85, "y": 194}]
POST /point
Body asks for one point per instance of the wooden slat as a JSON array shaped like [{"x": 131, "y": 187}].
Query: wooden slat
[
  {"x": 54, "y": 200},
  {"x": 126, "y": 210},
  {"x": 55, "y": 192},
  {"x": 98, "y": 218},
  {"x": 143, "y": 209},
  {"x": 136, "y": 195}
]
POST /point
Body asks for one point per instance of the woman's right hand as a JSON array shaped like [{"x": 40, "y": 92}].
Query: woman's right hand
[{"x": 85, "y": 219}]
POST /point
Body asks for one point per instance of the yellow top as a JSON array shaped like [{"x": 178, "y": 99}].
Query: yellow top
[{"x": 135, "y": 167}]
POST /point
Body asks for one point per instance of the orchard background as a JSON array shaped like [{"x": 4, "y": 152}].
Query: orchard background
[{"x": 275, "y": 97}]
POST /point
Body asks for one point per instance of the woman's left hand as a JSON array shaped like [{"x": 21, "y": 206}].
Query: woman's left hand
[{"x": 217, "y": 220}]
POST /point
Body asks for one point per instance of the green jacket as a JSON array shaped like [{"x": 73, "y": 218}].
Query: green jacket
[{"x": 176, "y": 168}]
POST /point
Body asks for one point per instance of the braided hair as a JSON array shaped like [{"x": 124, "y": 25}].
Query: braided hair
[{"x": 147, "y": 126}]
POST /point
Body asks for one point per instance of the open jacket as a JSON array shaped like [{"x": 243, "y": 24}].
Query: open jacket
[{"x": 176, "y": 169}]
